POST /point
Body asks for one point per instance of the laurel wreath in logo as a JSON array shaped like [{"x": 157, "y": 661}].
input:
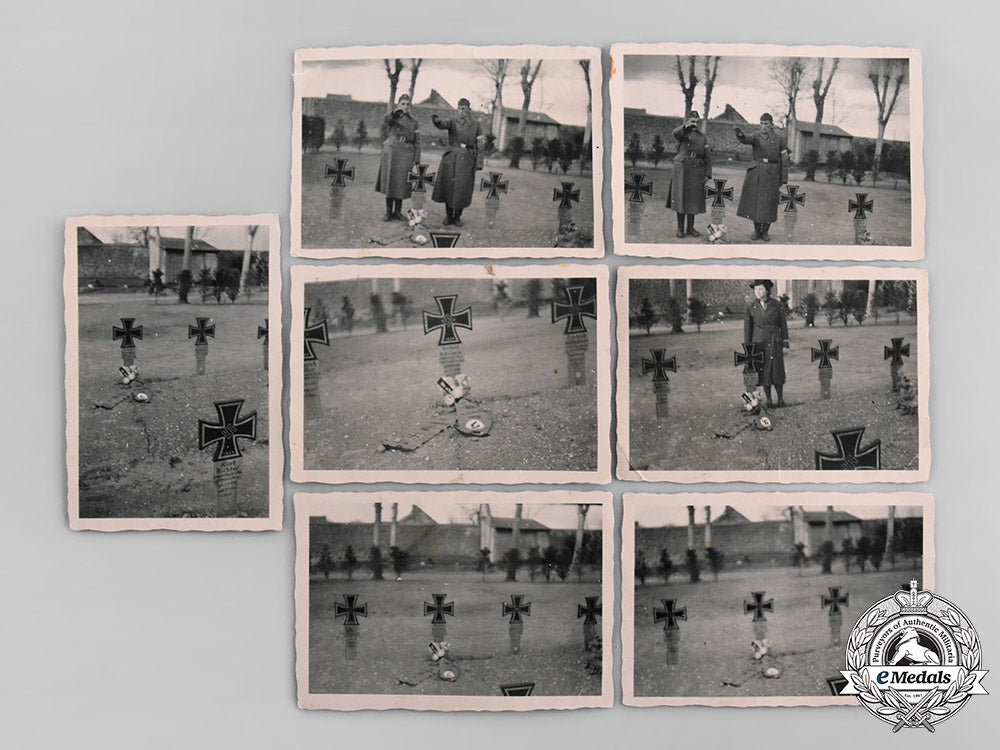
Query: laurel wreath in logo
[{"x": 943, "y": 702}]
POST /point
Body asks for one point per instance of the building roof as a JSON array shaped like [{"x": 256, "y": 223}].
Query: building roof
[
  {"x": 729, "y": 114},
  {"x": 730, "y": 515},
  {"x": 436, "y": 100},
  {"x": 177, "y": 243},
  {"x": 834, "y": 131},
  {"x": 819, "y": 516},
  {"x": 512, "y": 113},
  {"x": 417, "y": 517},
  {"x": 635, "y": 111},
  {"x": 527, "y": 524}
]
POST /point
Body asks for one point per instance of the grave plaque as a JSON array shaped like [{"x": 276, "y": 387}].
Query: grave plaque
[
  {"x": 128, "y": 333},
  {"x": 201, "y": 333},
  {"x": 224, "y": 436}
]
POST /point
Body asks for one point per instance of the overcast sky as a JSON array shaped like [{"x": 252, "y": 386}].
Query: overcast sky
[
  {"x": 650, "y": 515},
  {"x": 222, "y": 237},
  {"x": 555, "y": 516},
  {"x": 560, "y": 90},
  {"x": 651, "y": 84}
]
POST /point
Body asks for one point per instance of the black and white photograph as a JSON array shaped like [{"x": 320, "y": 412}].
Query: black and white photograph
[
  {"x": 764, "y": 151},
  {"x": 450, "y": 374},
  {"x": 454, "y": 601},
  {"x": 741, "y": 599},
  {"x": 173, "y": 379},
  {"x": 447, "y": 151},
  {"x": 773, "y": 374}
]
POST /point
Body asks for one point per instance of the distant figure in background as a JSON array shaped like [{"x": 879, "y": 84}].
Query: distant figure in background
[
  {"x": 692, "y": 167},
  {"x": 769, "y": 171},
  {"x": 456, "y": 175},
  {"x": 765, "y": 325},
  {"x": 400, "y": 151}
]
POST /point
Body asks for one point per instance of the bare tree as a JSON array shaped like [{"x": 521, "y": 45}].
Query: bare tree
[
  {"x": 581, "y": 519},
  {"x": 711, "y": 70},
  {"x": 497, "y": 72},
  {"x": 585, "y": 149},
  {"x": 392, "y": 70},
  {"x": 888, "y": 78},
  {"x": 528, "y": 77},
  {"x": 414, "y": 66},
  {"x": 245, "y": 271},
  {"x": 184, "y": 285},
  {"x": 789, "y": 73},
  {"x": 890, "y": 533},
  {"x": 821, "y": 87},
  {"x": 689, "y": 84}
]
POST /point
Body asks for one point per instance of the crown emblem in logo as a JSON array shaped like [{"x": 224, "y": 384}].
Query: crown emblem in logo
[{"x": 913, "y": 602}]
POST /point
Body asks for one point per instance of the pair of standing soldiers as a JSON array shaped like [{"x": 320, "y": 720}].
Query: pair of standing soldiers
[
  {"x": 763, "y": 181},
  {"x": 456, "y": 174}
]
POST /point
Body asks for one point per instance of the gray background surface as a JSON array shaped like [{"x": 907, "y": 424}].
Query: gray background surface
[{"x": 163, "y": 639}]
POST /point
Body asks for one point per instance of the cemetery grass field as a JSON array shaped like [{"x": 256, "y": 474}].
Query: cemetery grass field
[
  {"x": 527, "y": 217},
  {"x": 715, "y": 641},
  {"x": 376, "y": 385},
  {"x": 705, "y": 394},
  {"x": 394, "y": 636},
  {"x": 142, "y": 460},
  {"x": 823, "y": 220}
]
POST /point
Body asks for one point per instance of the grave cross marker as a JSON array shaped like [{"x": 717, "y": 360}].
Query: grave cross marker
[
  {"x": 574, "y": 309},
  {"x": 752, "y": 359},
  {"x": 340, "y": 173},
  {"x": 719, "y": 194},
  {"x": 849, "y": 454},
  {"x": 758, "y": 606},
  {"x": 824, "y": 354},
  {"x": 439, "y": 609},
  {"x": 350, "y": 610},
  {"x": 861, "y": 205},
  {"x": 444, "y": 239},
  {"x": 493, "y": 186},
  {"x": 834, "y": 600},
  {"x": 517, "y": 609},
  {"x": 316, "y": 333},
  {"x": 263, "y": 333},
  {"x": 897, "y": 351},
  {"x": 566, "y": 195},
  {"x": 792, "y": 199},
  {"x": 638, "y": 187},
  {"x": 127, "y": 333},
  {"x": 419, "y": 178},
  {"x": 659, "y": 365},
  {"x": 669, "y": 614},
  {"x": 446, "y": 320},
  {"x": 225, "y": 436},
  {"x": 200, "y": 333},
  {"x": 589, "y": 611}
]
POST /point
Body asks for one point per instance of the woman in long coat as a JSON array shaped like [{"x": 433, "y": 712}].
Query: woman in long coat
[
  {"x": 692, "y": 166},
  {"x": 764, "y": 178},
  {"x": 766, "y": 326},
  {"x": 456, "y": 175},
  {"x": 400, "y": 151}
]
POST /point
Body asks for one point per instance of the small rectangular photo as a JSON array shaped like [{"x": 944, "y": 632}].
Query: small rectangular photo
[
  {"x": 450, "y": 374},
  {"x": 767, "y": 151},
  {"x": 452, "y": 601},
  {"x": 744, "y": 599},
  {"x": 173, "y": 379},
  {"x": 447, "y": 151},
  {"x": 773, "y": 374}
]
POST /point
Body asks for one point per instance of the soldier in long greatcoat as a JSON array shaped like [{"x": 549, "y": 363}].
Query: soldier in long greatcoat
[
  {"x": 456, "y": 175},
  {"x": 766, "y": 326},
  {"x": 400, "y": 151},
  {"x": 769, "y": 171},
  {"x": 692, "y": 167}
]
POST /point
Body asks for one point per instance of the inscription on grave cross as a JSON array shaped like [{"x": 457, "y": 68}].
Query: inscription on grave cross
[
  {"x": 447, "y": 321},
  {"x": 573, "y": 310},
  {"x": 224, "y": 437}
]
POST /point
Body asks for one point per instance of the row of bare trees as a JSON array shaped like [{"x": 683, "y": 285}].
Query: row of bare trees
[{"x": 792, "y": 76}]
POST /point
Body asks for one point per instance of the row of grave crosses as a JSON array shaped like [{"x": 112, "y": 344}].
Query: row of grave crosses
[
  {"x": 439, "y": 609},
  {"x": 204, "y": 329},
  {"x": 670, "y": 613},
  {"x": 420, "y": 178},
  {"x": 637, "y": 189}
]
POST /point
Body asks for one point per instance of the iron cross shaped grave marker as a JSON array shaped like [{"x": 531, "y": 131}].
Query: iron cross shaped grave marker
[
  {"x": 752, "y": 358},
  {"x": 517, "y": 609},
  {"x": 316, "y": 333},
  {"x": 719, "y": 193},
  {"x": 350, "y": 610},
  {"x": 659, "y": 365},
  {"x": 669, "y": 614},
  {"x": 574, "y": 309},
  {"x": 566, "y": 195},
  {"x": 419, "y": 178},
  {"x": 590, "y": 610},
  {"x": 861, "y": 205},
  {"x": 225, "y": 436},
  {"x": 834, "y": 600},
  {"x": 439, "y": 609},
  {"x": 444, "y": 239},
  {"x": 340, "y": 173},
  {"x": 850, "y": 455},
  {"x": 263, "y": 333},
  {"x": 825, "y": 353},
  {"x": 638, "y": 187},
  {"x": 792, "y": 199},
  {"x": 447, "y": 320},
  {"x": 493, "y": 186},
  {"x": 758, "y": 606},
  {"x": 897, "y": 351},
  {"x": 128, "y": 333},
  {"x": 200, "y": 333}
]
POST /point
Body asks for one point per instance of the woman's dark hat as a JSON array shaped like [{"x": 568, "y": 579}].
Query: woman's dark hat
[
  {"x": 463, "y": 102},
  {"x": 766, "y": 283}
]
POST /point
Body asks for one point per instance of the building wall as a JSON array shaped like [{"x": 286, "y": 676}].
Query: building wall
[
  {"x": 503, "y": 540},
  {"x": 764, "y": 543},
  {"x": 112, "y": 265},
  {"x": 441, "y": 543}
]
